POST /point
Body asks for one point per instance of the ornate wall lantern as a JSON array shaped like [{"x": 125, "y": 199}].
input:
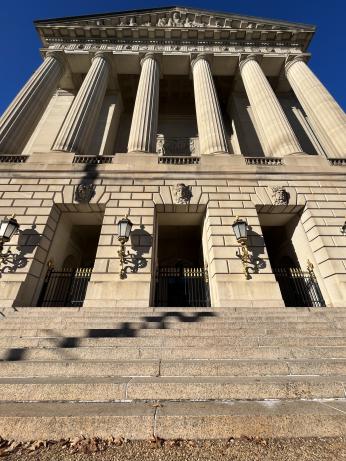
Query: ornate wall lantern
[
  {"x": 240, "y": 228},
  {"x": 124, "y": 231},
  {"x": 8, "y": 227}
]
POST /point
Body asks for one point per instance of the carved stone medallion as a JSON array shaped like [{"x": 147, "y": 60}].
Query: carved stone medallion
[
  {"x": 280, "y": 195},
  {"x": 84, "y": 192},
  {"x": 182, "y": 194}
]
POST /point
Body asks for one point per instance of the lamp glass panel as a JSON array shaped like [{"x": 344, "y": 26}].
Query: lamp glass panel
[
  {"x": 12, "y": 226},
  {"x": 242, "y": 229},
  {"x": 128, "y": 229},
  {"x": 236, "y": 230},
  {"x": 3, "y": 227},
  {"x": 122, "y": 228}
]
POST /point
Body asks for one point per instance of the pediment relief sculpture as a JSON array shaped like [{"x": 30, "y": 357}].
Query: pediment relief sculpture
[
  {"x": 188, "y": 19},
  {"x": 180, "y": 18}
]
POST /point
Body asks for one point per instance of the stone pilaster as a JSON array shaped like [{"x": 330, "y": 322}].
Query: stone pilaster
[
  {"x": 20, "y": 118},
  {"x": 211, "y": 133},
  {"x": 274, "y": 131},
  {"x": 143, "y": 131},
  {"x": 79, "y": 125},
  {"x": 326, "y": 115}
]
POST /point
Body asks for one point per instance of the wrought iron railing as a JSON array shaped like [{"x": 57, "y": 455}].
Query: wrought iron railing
[
  {"x": 298, "y": 288},
  {"x": 271, "y": 161},
  {"x": 176, "y": 147},
  {"x": 13, "y": 158},
  {"x": 65, "y": 287},
  {"x": 182, "y": 287}
]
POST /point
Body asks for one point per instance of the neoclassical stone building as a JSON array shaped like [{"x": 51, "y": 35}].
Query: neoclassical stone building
[{"x": 182, "y": 120}]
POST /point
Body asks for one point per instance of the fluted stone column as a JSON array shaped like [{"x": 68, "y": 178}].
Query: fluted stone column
[
  {"x": 143, "y": 131},
  {"x": 211, "y": 133},
  {"x": 19, "y": 120},
  {"x": 326, "y": 115},
  {"x": 274, "y": 131},
  {"x": 81, "y": 120}
]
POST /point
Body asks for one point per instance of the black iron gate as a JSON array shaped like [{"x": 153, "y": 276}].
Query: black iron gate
[
  {"x": 66, "y": 287},
  {"x": 298, "y": 288},
  {"x": 182, "y": 287}
]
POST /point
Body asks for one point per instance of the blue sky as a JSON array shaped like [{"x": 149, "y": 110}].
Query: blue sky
[{"x": 20, "y": 51}]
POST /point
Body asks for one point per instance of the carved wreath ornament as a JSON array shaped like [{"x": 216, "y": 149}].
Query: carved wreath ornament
[
  {"x": 84, "y": 193},
  {"x": 182, "y": 194},
  {"x": 280, "y": 195}
]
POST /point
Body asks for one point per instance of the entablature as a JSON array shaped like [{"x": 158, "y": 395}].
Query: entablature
[{"x": 173, "y": 61}]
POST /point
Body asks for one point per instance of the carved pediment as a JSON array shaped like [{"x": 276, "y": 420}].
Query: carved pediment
[
  {"x": 176, "y": 17},
  {"x": 172, "y": 23}
]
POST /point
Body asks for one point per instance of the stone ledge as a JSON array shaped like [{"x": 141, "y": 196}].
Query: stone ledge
[{"x": 174, "y": 420}]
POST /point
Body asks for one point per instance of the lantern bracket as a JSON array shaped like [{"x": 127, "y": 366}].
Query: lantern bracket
[
  {"x": 240, "y": 228},
  {"x": 125, "y": 227}
]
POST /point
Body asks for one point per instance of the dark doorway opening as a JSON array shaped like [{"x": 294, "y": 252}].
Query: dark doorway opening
[
  {"x": 299, "y": 288},
  {"x": 181, "y": 279},
  {"x": 69, "y": 270}
]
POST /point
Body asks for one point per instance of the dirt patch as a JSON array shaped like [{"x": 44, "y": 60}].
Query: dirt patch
[{"x": 244, "y": 449}]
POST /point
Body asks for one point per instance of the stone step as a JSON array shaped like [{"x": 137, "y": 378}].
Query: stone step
[
  {"x": 126, "y": 331},
  {"x": 171, "y": 341},
  {"x": 172, "y": 319},
  {"x": 174, "y": 420},
  {"x": 171, "y": 314},
  {"x": 169, "y": 388},
  {"x": 147, "y": 352},
  {"x": 255, "y": 367},
  {"x": 201, "y": 367},
  {"x": 171, "y": 323},
  {"x": 183, "y": 367},
  {"x": 63, "y": 312},
  {"x": 137, "y": 310}
]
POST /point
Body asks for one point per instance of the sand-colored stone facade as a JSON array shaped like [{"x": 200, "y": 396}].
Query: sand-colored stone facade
[{"x": 133, "y": 105}]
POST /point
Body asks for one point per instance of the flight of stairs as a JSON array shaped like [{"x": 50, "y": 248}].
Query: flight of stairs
[{"x": 172, "y": 372}]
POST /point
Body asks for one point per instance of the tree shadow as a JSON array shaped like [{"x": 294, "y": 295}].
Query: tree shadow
[
  {"x": 28, "y": 240},
  {"x": 125, "y": 330},
  {"x": 85, "y": 190}
]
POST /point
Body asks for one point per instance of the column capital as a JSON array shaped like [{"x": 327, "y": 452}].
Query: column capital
[
  {"x": 292, "y": 59},
  {"x": 106, "y": 55},
  {"x": 244, "y": 58},
  {"x": 151, "y": 55},
  {"x": 204, "y": 56},
  {"x": 58, "y": 55}
]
